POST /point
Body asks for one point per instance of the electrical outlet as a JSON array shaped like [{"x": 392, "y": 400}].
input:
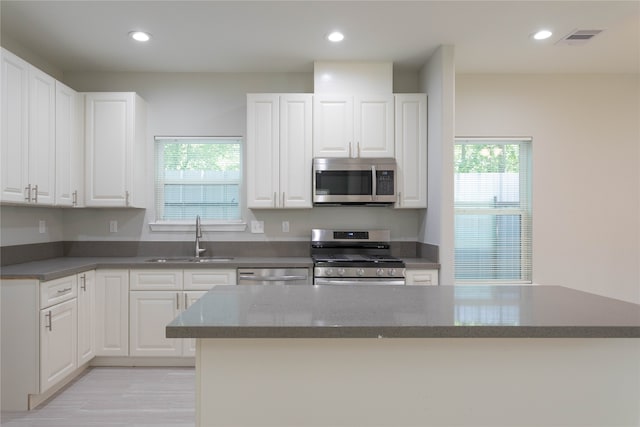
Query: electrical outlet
[
  {"x": 285, "y": 226},
  {"x": 257, "y": 227},
  {"x": 42, "y": 226},
  {"x": 113, "y": 226}
]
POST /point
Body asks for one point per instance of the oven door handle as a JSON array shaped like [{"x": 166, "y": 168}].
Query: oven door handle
[{"x": 369, "y": 282}]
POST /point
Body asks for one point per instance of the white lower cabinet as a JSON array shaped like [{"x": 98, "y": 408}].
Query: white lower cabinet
[
  {"x": 86, "y": 316},
  {"x": 112, "y": 313},
  {"x": 421, "y": 277},
  {"x": 149, "y": 312},
  {"x": 58, "y": 342},
  {"x": 46, "y": 336},
  {"x": 157, "y": 297}
]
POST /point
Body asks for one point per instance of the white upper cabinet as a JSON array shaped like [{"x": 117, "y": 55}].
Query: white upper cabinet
[
  {"x": 69, "y": 150},
  {"x": 28, "y": 132},
  {"x": 279, "y": 150},
  {"x": 15, "y": 128},
  {"x": 115, "y": 125},
  {"x": 42, "y": 136},
  {"x": 411, "y": 150},
  {"x": 353, "y": 126}
]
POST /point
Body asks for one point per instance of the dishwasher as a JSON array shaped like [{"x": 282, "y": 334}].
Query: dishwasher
[{"x": 274, "y": 276}]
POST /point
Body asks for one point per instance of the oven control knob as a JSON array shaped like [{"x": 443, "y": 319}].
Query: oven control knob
[
  {"x": 341, "y": 272},
  {"x": 392, "y": 272},
  {"x": 380, "y": 272},
  {"x": 360, "y": 272},
  {"x": 329, "y": 271}
]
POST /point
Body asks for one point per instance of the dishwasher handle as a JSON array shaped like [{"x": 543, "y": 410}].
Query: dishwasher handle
[
  {"x": 271, "y": 278},
  {"x": 274, "y": 276}
]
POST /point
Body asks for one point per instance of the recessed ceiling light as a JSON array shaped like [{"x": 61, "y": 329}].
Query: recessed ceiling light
[
  {"x": 335, "y": 36},
  {"x": 140, "y": 36},
  {"x": 542, "y": 34}
]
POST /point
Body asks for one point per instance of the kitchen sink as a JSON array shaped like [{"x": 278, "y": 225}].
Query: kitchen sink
[
  {"x": 211, "y": 259},
  {"x": 169, "y": 260}
]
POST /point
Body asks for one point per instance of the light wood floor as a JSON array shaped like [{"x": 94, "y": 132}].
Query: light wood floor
[{"x": 117, "y": 397}]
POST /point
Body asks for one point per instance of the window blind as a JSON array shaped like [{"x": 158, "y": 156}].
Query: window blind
[
  {"x": 198, "y": 176},
  {"x": 492, "y": 205}
]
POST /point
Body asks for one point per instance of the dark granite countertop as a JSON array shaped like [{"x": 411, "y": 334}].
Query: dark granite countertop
[
  {"x": 405, "y": 312},
  {"x": 55, "y": 268},
  {"x": 59, "y": 267}
]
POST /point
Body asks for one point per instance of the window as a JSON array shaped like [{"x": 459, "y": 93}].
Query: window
[
  {"x": 492, "y": 203},
  {"x": 198, "y": 176}
]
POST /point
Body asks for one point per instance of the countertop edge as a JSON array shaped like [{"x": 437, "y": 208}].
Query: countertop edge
[{"x": 206, "y": 332}]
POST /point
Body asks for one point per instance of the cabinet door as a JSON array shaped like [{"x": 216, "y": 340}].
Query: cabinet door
[
  {"x": 86, "y": 316},
  {"x": 67, "y": 164},
  {"x": 58, "y": 342},
  {"x": 14, "y": 155},
  {"x": 373, "y": 126},
  {"x": 155, "y": 280},
  {"x": 421, "y": 277},
  {"x": 204, "y": 280},
  {"x": 263, "y": 152},
  {"x": 112, "y": 313},
  {"x": 151, "y": 311},
  {"x": 295, "y": 150},
  {"x": 333, "y": 126},
  {"x": 189, "y": 344},
  {"x": 109, "y": 136},
  {"x": 411, "y": 150},
  {"x": 42, "y": 136}
]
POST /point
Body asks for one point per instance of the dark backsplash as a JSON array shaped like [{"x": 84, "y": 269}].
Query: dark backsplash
[{"x": 40, "y": 251}]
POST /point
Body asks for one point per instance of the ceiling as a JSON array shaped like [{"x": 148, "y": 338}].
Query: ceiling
[{"x": 279, "y": 36}]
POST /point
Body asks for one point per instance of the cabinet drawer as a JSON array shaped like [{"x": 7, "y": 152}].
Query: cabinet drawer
[
  {"x": 155, "y": 280},
  {"x": 58, "y": 290},
  {"x": 206, "y": 279},
  {"x": 422, "y": 277}
]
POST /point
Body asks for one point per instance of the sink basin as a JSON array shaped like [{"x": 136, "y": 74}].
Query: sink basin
[
  {"x": 161, "y": 260},
  {"x": 168, "y": 259},
  {"x": 211, "y": 259}
]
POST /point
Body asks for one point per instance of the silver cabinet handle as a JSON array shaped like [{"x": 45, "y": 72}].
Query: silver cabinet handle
[
  {"x": 358, "y": 149},
  {"x": 275, "y": 199},
  {"x": 35, "y": 190},
  {"x": 64, "y": 291},
  {"x": 349, "y": 148},
  {"x": 83, "y": 278},
  {"x": 399, "y": 198},
  {"x": 282, "y": 200},
  {"x": 27, "y": 191},
  {"x": 126, "y": 198},
  {"x": 74, "y": 200},
  {"x": 186, "y": 304},
  {"x": 50, "y": 325},
  {"x": 178, "y": 301}
]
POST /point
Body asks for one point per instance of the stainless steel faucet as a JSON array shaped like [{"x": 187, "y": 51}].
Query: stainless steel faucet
[{"x": 198, "y": 237}]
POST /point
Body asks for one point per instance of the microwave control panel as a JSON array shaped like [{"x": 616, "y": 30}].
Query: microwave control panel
[{"x": 384, "y": 183}]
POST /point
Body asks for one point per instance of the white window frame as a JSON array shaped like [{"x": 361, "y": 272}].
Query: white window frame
[
  {"x": 160, "y": 225},
  {"x": 526, "y": 233}
]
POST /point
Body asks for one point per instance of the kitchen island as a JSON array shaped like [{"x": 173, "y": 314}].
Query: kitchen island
[{"x": 413, "y": 356}]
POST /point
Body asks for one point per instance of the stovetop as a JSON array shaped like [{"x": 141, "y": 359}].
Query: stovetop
[{"x": 338, "y": 258}]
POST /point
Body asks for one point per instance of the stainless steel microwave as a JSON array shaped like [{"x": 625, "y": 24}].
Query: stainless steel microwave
[{"x": 348, "y": 181}]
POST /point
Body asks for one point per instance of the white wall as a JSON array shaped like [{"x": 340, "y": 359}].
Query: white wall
[
  {"x": 586, "y": 174},
  {"x": 437, "y": 79}
]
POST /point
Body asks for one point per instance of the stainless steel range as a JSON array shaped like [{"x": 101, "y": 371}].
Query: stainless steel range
[{"x": 360, "y": 257}]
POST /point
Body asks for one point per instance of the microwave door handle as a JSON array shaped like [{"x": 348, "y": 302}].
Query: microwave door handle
[{"x": 374, "y": 189}]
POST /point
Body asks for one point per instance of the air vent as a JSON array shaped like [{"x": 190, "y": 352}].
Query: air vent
[{"x": 579, "y": 37}]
